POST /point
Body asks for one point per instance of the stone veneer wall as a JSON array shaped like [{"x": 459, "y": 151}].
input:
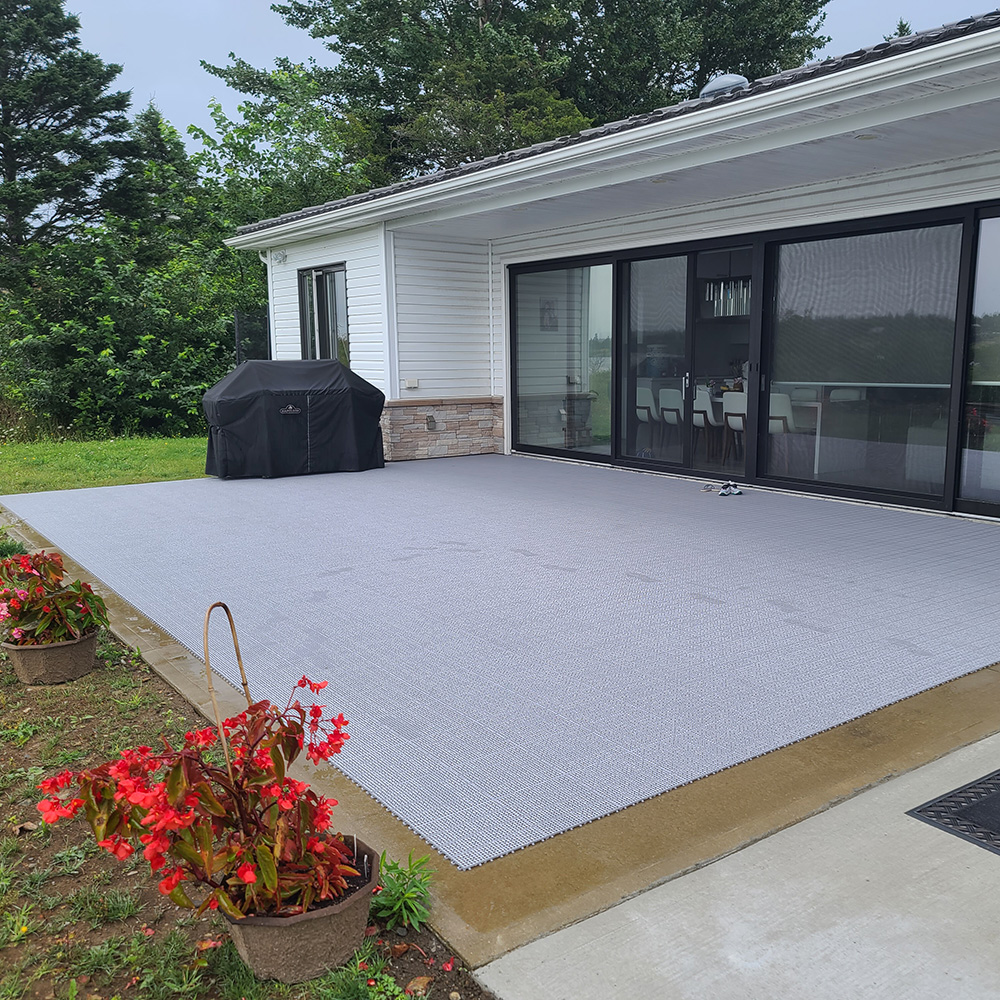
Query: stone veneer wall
[{"x": 442, "y": 428}]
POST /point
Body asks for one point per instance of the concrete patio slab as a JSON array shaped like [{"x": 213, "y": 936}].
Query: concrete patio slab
[{"x": 861, "y": 901}]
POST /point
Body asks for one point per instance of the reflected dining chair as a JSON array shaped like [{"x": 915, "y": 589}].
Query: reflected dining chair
[
  {"x": 734, "y": 418},
  {"x": 671, "y": 412},
  {"x": 781, "y": 422},
  {"x": 647, "y": 413},
  {"x": 703, "y": 418}
]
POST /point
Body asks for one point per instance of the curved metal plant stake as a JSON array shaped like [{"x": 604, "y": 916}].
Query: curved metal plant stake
[{"x": 211, "y": 686}]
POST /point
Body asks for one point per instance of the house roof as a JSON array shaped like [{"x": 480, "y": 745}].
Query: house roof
[{"x": 810, "y": 71}]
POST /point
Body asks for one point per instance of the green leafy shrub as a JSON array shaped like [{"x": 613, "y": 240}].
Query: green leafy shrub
[
  {"x": 405, "y": 892},
  {"x": 97, "y": 344}
]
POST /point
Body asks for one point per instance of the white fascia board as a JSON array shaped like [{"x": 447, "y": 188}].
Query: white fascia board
[{"x": 819, "y": 94}]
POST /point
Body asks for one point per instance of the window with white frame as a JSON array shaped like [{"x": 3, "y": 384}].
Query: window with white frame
[{"x": 323, "y": 313}]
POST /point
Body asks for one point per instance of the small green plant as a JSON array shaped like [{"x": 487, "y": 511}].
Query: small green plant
[
  {"x": 7, "y": 872},
  {"x": 101, "y": 907},
  {"x": 31, "y": 884},
  {"x": 8, "y": 548},
  {"x": 13, "y": 986},
  {"x": 17, "y": 924},
  {"x": 9, "y": 846},
  {"x": 404, "y": 894},
  {"x": 105, "y": 958},
  {"x": 19, "y": 733},
  {"x": 73, "y": 858}
]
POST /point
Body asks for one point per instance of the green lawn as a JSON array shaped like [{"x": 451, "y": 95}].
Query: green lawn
[{"x": 67, "y": 465}]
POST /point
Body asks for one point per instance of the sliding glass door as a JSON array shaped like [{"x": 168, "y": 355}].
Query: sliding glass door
[
  {"x": 863, "y": 334},
  {"x": 980, "y": 441},
  {"x": 654, "y": 419},
  {"x": 688, "y": 350},
  {"x": 562, "y": 348}
]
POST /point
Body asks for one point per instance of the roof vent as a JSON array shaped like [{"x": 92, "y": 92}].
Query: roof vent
[{"x": 724, "y": 84}]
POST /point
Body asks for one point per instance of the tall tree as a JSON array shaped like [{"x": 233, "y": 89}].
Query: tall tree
[
  {"x": 61, "y": 128},
  {"x": 421, "y": 85}
]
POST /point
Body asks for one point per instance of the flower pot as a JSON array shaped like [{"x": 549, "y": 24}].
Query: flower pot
[
  {"x": 294, "y": 949},
  {"x": 53, "y": 662}
]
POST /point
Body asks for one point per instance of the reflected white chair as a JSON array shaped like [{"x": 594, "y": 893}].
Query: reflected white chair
[
  {"x": 780, "y": 420},
  {"x": 703, "y": 416},
  {"x": 671, "y": 412},
  {"x": 807, "y": 403},
  {"x": 805, "y": 393},
  {"x": 845, "y": 395},
  {"x": 647, "y": 413},
  {"x": 734, "y": 417}
]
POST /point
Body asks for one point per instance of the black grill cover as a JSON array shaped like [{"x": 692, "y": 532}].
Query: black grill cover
[{"x": 289, "y": 418}]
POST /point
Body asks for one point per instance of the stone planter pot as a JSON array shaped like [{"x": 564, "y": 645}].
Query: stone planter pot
[
  {"x": 53, "y": 662},
  {"x": 294, "y": 949}
]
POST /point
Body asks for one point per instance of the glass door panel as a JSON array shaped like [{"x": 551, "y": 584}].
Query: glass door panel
[
  {"x": 721, "y": 352},
  {"x": 980, "y": 457},
  {"x": 653, "y": 423},
  {"x": 861, "y": 357},
  {"x": 563, "y": 358}
]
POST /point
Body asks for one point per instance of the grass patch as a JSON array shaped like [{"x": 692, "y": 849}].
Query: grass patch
[
  {"x": 64, "y": 465},
  {"x": 19, "y": 733},
  {"x": 17, "y": 924},
  {"x": 71, "y": 860},
  {"x": 8, "y": 548},
  {"x": 103, "y": 906},
  {"x": 31, "y": 884}
]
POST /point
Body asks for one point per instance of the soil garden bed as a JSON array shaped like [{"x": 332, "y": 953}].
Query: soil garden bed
[{"x": 77, "y": 923}]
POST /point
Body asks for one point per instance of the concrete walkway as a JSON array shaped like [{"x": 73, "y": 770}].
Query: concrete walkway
[{"x": 859, "y": 901}]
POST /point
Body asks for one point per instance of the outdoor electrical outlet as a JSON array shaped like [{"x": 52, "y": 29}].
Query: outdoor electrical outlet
[{"x": 411, "y": 383}]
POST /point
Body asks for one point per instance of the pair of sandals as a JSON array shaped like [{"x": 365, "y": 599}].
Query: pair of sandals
[{"x": 729, "y": 489}]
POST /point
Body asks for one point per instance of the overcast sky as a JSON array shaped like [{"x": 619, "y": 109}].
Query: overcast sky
[{"x": 160, "y": 51}]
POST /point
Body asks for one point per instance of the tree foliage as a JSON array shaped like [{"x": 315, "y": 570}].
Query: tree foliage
[
  {"x": 98, "y": 343},
  {"x": 279, "y": 155},
  {"x": 61, "y": 127},
  {"x": 418, "y": 86}
]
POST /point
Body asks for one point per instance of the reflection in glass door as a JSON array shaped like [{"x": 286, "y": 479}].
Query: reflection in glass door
[
  {"x": 654, "y": 422},
  {"x": 563, "y": 358},
  {"x": 980, "y": 458},
  {"x": 721, "y": 352},
  {"x": 862, "y": 343}
]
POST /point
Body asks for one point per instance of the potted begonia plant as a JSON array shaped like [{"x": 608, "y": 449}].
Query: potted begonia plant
[
  {"x": 48, "y": 627},
  {"x": 221, "y": 817}
]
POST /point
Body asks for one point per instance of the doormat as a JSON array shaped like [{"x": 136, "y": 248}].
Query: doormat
[{"x": 971, "y": 812}]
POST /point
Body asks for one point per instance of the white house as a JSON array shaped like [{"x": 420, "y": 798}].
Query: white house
[{"x": 794, "y": 283}]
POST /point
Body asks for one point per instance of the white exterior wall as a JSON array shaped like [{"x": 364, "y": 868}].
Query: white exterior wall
[
  {"x": 361, "y": 252},
  {"x": 442, "y": 310}
]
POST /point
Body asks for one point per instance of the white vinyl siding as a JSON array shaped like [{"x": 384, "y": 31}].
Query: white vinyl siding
[
  {"x": 442, "y": 316},
  {"x": 360, "y": 252}
]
